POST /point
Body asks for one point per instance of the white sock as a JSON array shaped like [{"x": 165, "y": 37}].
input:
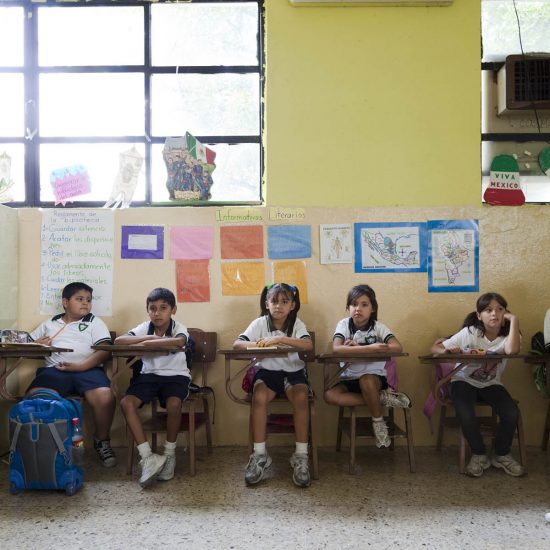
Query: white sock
[
  {"x": 169, "y": 448},
  {"x": 260, "y": 448},
  {"x": 301, "y": 448},
  {"x": 378, "y": 419},
  {"x": 144, "y": 450}
]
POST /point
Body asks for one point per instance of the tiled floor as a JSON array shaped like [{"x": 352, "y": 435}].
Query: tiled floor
[{"x": 382, "y": 506}]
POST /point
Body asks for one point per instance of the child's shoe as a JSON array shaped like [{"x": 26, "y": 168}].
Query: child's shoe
[
  {"x": 300, "y": 474},
  {"x": 256, "y": 467},
  {"x": 167, "y": 472},
  {"x": 105, "y": 452},
  {"x": 390, "y": 398},
  {"x": 150, "y": 468},
  {"x": 380, "y": 430},
  {"x": 509, "y": 464},
  {"x": 477, "y": 465}
]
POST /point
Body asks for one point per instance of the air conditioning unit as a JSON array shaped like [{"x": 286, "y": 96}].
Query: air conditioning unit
[
  {"x": 524, "y": 84},
  {"x": 342, "y": 3}
]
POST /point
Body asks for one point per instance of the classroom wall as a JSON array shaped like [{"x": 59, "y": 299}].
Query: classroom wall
[
  {"x": 373, "y": 106},
  {"x": 513, "y": 259}
]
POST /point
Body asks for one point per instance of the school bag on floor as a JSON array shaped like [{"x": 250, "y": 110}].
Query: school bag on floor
[{"x": 41, "y": 432}]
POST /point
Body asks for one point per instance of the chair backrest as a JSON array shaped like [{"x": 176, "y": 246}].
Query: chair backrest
[{"x": 206, "y": 345}]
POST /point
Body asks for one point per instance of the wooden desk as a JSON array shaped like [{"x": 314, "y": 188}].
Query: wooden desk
[
  {"x": 20, "y": 352},
  {"x": 532, "y": 359},
  {"x": 252, "y": 356},
  {"x": 132, "y": 352},
  {"x": 462, "y": 360}
]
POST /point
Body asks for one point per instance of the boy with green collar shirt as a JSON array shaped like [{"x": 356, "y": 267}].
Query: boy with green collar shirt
[
  {"x": 79, "y": 372},
  {"x": 162, "y": 377}
]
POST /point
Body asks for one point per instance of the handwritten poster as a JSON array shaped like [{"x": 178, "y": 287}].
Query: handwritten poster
[
  {"x": 288, "y": 241},
  {"x": 77, "y": 245},
  {"x": 242, "y": 278},
  {"x": 69, "y": 182}
]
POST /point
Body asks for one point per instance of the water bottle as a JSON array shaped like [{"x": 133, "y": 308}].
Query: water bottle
[{"x": 78, "y": 442}]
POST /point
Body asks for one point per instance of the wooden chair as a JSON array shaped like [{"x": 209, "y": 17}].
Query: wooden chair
[
  {"x": 280, "y": 419},
  {"x": 356, "y": 426},
  {"x": 191, "y": 419},
  {"x": 487, "y": 419}
]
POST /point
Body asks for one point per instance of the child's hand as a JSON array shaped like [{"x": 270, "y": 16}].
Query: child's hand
[
  {"x": 45, "y": 340},
  {"x": 350, "y": 342},
  {"x": 453, "y": 350},
  {"x": 266, "y": 342},
  {"x": 508, "y": 317},
  {"x": 68, "y": 367}
]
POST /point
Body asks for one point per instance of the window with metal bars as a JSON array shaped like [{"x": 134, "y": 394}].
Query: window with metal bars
[{"x": 98, "y": 87}]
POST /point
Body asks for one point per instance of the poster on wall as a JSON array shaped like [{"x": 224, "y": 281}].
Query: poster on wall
[
  {"x": 145, "y": 242},
  {"x": 390, "y": 247},
  {"x": 453, "y": 256},
  {"x": 335, "y": 243},
  {"x": 77, "y": 245}
]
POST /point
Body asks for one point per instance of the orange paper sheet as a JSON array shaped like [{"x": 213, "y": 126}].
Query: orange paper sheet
[
  {"x": 292, "y": 273},
  {"x": 242, "y": 242},
  {"x": 242, "y": 278},
  {"x": 192, "y": 281}
]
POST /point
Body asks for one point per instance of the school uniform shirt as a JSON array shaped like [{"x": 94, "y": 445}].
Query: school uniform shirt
[
  {"x": 547, "y": 328},
  {"x": 262, "y": 327},
  {"x": 79, "y": 336},
  {"x": 379, "y": 333},
  {"x": 477, "y": 374},
  {"x": 173, "y": 364}
]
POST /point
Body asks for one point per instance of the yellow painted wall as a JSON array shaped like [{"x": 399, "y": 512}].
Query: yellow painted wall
[{"x": 373, "y": 106}]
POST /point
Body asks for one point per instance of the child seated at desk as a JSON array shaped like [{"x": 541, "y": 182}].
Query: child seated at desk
[
  {"x": 79, "y": 372},
  {"x": 491, "y": 328},
  {"x": 162, "y": 377}
]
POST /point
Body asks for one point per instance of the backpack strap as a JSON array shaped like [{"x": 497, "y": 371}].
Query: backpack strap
[
  {"x": 59, "y": 443},
  {"x": 14, "y": 439}
]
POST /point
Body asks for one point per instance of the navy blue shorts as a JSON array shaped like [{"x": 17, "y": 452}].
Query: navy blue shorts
[
  {"x": 148, "y": 387},
  {"x": 70, "y": 383},
  {"x": 279, "y": 380},
  {"x": 353, "y": 385}
]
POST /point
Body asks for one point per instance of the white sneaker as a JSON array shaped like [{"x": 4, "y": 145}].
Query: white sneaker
[
  {"x": 300, "y": 473},
  {"x": 256, "y": 467},
  {"x": 150, "y": 467},
  {"x": 390, "y": 398},
  {"x": 477, "y": 465},
  {"x": 509, "y": 464},
  {"x": 380, "y": 430},
  {"x": 167, "y": 471}
]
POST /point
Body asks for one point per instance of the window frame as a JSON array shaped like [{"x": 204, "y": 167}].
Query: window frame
[{"x": 31, "y": 73}]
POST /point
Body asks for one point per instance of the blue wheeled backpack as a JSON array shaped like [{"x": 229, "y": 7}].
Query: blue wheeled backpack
[{"x": 41, "y": 433}]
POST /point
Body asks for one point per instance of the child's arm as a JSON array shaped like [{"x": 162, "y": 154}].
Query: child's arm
[
  {"x": 95, "y": 359},
  {"x": 151, "y": 340},
  {"x": 438, "y": 347},
  {"x": 350, "y": 347},
  {"x": 513, "y": 342},
  {"x": 302, "y": 343}
]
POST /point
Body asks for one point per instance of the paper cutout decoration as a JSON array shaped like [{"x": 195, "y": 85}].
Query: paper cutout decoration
[
  {"x": 69, "y": 182},
  {"x": 242, "y": 278},
  {"x": 544, "y": 161},
  {"x": 5, "y": 177},
  {"x": 191, "y": 243},
  {"x": 504, "y": 184},
  {"x": 289, "y": 241},
  {"x": 142, "y": 242},
  {"x": 189, "y": 164},
  {"x": 242, "y": 242},
  {"x": 292, "y": 273},
  {"x": 124, "y": 186},
  {"x": 192, "y": 281}
]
